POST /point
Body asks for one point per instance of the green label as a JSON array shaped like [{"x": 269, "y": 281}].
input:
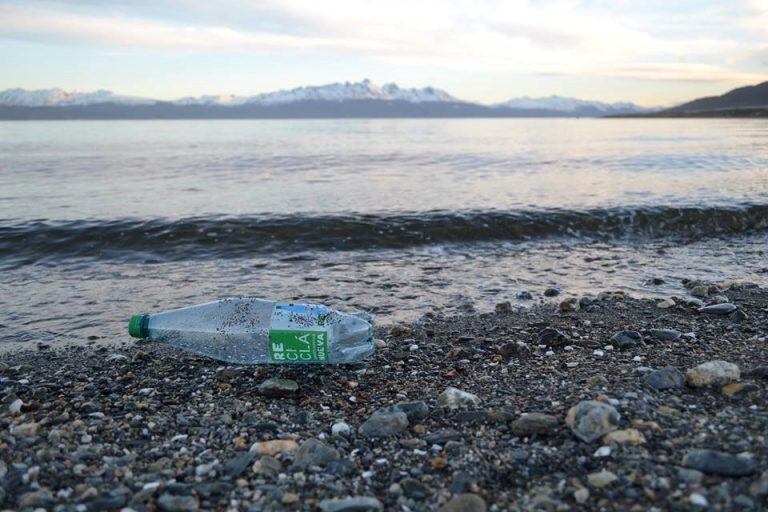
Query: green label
[{"x": 298, "y": 346}]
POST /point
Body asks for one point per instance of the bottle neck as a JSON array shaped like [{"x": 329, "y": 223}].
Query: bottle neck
[{"x": 138, "y": 327}]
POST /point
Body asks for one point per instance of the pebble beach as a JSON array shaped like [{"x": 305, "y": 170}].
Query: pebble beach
[{"x": 599, "y": 402}]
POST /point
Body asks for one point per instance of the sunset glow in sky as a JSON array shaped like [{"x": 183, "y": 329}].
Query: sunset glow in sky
[{"x": 651, "y": 52}]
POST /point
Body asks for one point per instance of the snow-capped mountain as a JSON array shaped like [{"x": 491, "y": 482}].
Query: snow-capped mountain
[
  {"x": 337, "y": 92},
  {"x": 569, "y": 105},
  {"x": 59, "y": 98}
]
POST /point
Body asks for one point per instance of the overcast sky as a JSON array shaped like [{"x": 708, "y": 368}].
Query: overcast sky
[{"x": 653, "y": 52}]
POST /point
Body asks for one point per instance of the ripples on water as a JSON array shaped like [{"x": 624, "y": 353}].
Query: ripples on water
[{"x": 99, "y": 220}]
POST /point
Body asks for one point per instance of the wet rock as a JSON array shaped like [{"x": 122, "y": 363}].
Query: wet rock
[
  {"x": 278, "y": 388},
  {"x": 718, "y": 309},
  {"x": 235, "y": 466},
  {"x": 465, "y": 503},
  {"x": 482, "y": 416},
  {"x": 516, "y": 349},
  {"x": 534, "y": 423},
  {"x": 758, "y": 372},
  {"x": 628, "y": 436},
  {"x": 453, "y": 398},
  {"x": 267, "y": 466},
  {"x": 569, "y": 305},
  {"x": 28, "y": 429},
  {"x": 415, "y": 489},
  {"x": 384, "y": 424},
  {"x": 601, "y": 479},
  {"x": 666, "y": 303},
  {"x": 504, "y": 307},
  {"x": 172, "y": 503},
  {"x": 759, "y": 487},
  {"x": 415, "y": 410},
  {"x": 694, "y": 303},
  {"x": 719, "y": 463},
  {"x": 739, "y": 389},
  {"x": 551, "y": 337},
  {"x": 355, "y": 504},
  {"x": 625, "y": 340},
  {"x": 275, "y": 446},
  {"x": 700, "y": 291},
  {"x": 665, "y": 378},
  {"x": 524, "y": 295},
  {"x": 551, "y": 292},
  {"x": 712, "y": 373},
  {"x": 590, "y": 420},
  {"x": 665, "y": 335},
  {"x": 691, "y": 476},
  {"x": 314, "y": 453},
  {"x": 42, "y": 498},
  {"x": 738, "y": 317}
]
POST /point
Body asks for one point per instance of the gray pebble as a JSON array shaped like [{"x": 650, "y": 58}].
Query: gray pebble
[
  {"x": 719, "y": 463},
  {"x": 665, "y": 378},
  {"x": 355, "y": 504}
]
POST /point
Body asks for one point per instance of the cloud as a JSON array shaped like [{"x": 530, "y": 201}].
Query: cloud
[{"x": 562, "y": 37}]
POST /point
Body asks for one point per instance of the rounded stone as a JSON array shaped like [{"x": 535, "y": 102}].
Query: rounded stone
[{"x": 589, "y": 420}]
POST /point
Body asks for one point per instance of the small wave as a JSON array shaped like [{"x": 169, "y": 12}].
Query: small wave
[{"x": 209, "y": 237}]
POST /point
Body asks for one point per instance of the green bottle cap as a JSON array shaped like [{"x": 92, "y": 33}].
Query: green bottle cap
[{"x": 138, "y": 327}]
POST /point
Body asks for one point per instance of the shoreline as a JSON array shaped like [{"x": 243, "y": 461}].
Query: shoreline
[{"x": 148, "y": 427}]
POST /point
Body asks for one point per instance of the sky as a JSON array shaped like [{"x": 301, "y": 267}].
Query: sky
[{"x": 652, "y": 52}]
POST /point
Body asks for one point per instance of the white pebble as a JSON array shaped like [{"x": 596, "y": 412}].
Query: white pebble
[
  {"x": 367, "y": 474},
  {"x": 598, "y": 353},
  {"x": 416, "y": 451},
  {"x": 568, "y": 348},
  {"x": 340, "y": 429},
  {"x": 603, "y": 451},
  {"x": 637, "y": 359},
  {"x": 15, "y": 407},
  {"x": 179, "y": 437},
  {"x": 353, "y": 399},
  {"x": 698, "y": 499},
  {"x": 608, "y": 348},
  {"x": 414, "y": 348},
  {"x": 549, "y": 353}
]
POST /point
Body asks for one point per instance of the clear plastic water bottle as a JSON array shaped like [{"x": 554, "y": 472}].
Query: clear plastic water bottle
[{"x": 254, "y": 331}]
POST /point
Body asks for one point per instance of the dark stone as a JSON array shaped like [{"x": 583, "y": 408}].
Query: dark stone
[
  {"x": 758, "y": 372},
  {"x": 625, "y": 340},
  {"x": 465, "y": 503},
  {"x": 234, "y": 467},
  {"x": 314, "y": 453},
  {"x": 341, "y": 467},
  {"x": 416, "y": 410},
  {"x": 354, "y": 504},
  {"x": 171, "y": 503},
  {"x": 534, "y": 423},
  {"x": 551, "y": 292},
  {"x": 551, "y": 337},
  {"x": 516, "y": 349},
  {"x": 738, "y": 317},
  {"x": 462, "y": 481},
  {"x": 665, "y": 334},
  {"x": 665, "y": 378},
  {"x": 442, "y": 436},
  {"x": 504, "y": 307},
  {"x": 482, "y": 416},
  {"x": 278, "y": 388},
  {"x": 524, "y": 295},
  {"x": 384, "y": 424},
  {"x": 719, "y": 463},
  {"x": 415, "y": 489}
]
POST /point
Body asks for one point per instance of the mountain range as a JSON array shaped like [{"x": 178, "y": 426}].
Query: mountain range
[{"x": 348, "y": 99}]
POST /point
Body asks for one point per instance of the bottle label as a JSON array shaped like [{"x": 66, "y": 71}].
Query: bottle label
[{"x": 297, "y": 334}]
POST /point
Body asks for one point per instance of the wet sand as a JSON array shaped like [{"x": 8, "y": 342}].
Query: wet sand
[{"x": 146, "y": 427}]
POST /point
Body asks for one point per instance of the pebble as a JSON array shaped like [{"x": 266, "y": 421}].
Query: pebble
[
  {"x": 603, "y": 451},
  {"x": 665, "y": 378},
  {"x": 666, "y": 303},
  {"x": 627, "y": 339},
  {"x": 504, "y": 307},
  {"x": 759, "y": 372},
  {"x": 42, "y": 498},
  {"x": 551, "y": 292},
  {"x": 534, "y": 423},
  {"x": 172, "y": 503},
  {"x": 267, "y": 466},
  {"x": 691, "y": 476},
  {"x": 581, "y": 495},
  {"x": 590, "y": 420},
  {"x": 738, "y": 389},
  {"x": 569, "y": 305},
  {"x": 453, "y": 398},
  {"x": 415, "y": 410},
  {"x": 14, "y": 407},
  {"x": 698, "y": 500},
  {"x": 719, "y": 463},
  {"x": 719, "y": 309},
  {"x": 25, "y": 429},
  {"x": 355, "y": 504},
  {"x": 759, "y": 487},
  {"x": 551, "y": 337},
  {"x": 340, "y": 429},
  {"x": 275, "y": 446},
  {"x": 524, "y": 295},
  {"x": 601, "y": 479},
  {"x": 700, "y": 291},
  {"x": 665, "y": 334},
  {"x": 384, "y": 424},
  {"x": 278, "y": 388},
  {"x": 630, "y": 436},
  {"x": 465, "y": 503},
  {"x": 516, "y": 349},
  {"x": 314, "y": 453},
  {"x": 415, "y": 489},
  {"x": 712, "y": 373}
]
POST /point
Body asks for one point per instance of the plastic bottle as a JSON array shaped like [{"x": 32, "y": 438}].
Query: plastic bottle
[{"x": 255, "y": 331}]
